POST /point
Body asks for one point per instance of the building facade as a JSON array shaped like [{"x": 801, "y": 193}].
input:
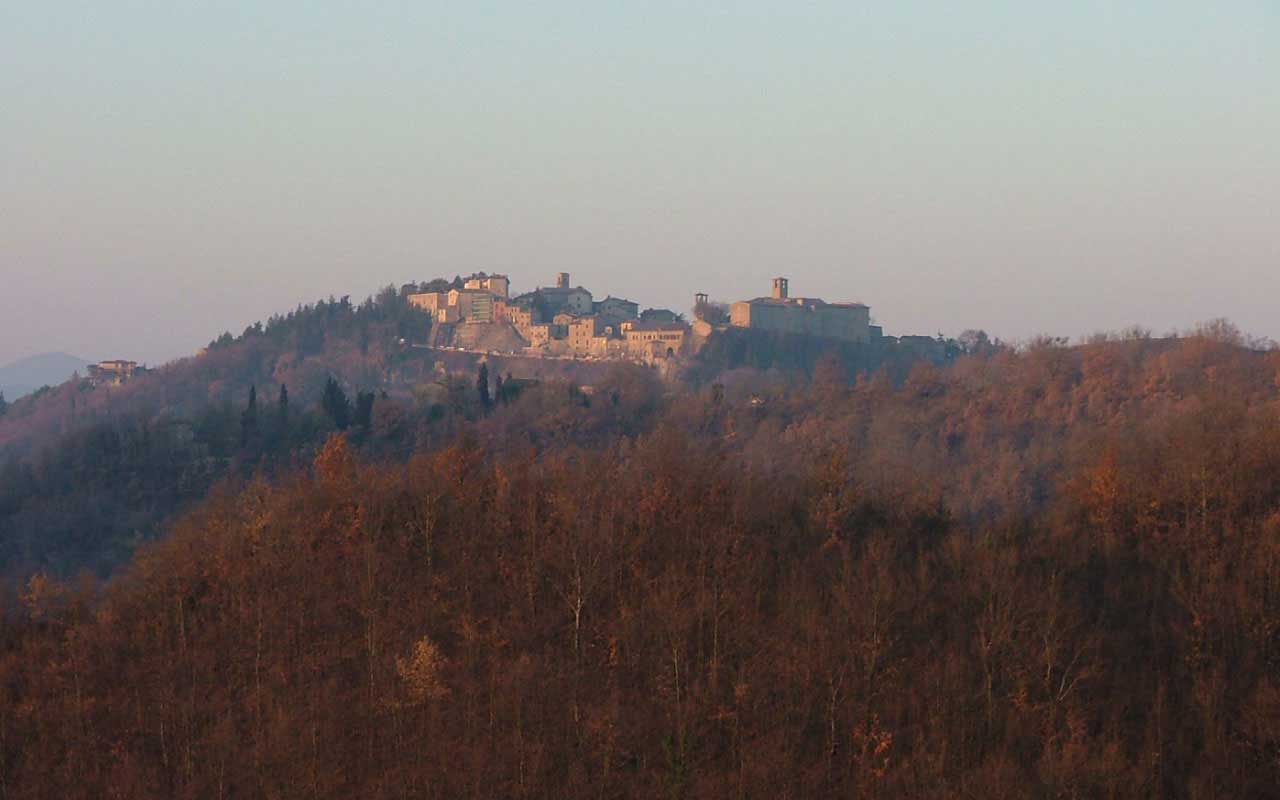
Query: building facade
[
  {"x": 592, "y": 336},
  {"x": 617, "y": 308},
  {"x": 430, "y": 302},
  {"x": 496, "y": 285},
  {"x": 474, "y": 305},
  {"x": 850, "y": 322},
  {"x": 648, "y": 341},
  {"x": 113, "y": 373},
  {"x": 456, "y": 305},
  {"x": 660, "y": 315}
]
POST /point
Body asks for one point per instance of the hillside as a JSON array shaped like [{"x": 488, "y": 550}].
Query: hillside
[
  {"x": 1045, "y": 572},
  {"x": 733, "y": 349},
  {"x": 87, "y": 474}
]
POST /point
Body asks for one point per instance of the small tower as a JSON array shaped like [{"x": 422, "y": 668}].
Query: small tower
[
  {"x": 699, "y": 299},
  {"x": 562, "y": 280},
  {"x": 779, "y": 288}
]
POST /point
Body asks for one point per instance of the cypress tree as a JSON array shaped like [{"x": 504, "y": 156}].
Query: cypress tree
[
  {"x": 482, "y": 385},
  {"x": 249, "y": 419},
  {"x": 282, "y": 405},
  {"x": 335, "y": 404},
  {"x": 364, "y": 410}
]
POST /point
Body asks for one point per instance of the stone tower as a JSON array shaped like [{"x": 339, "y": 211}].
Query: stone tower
[
  {"x": 779, "y": 288},
  {"x": 562, "y": 280}
]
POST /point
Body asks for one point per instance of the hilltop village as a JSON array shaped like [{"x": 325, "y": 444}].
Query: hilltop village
[
  {"x": 567, "y": 321},
  {"x": 480, "y": 315}
]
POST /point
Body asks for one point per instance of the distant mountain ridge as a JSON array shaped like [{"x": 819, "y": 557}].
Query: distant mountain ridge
[{"x": 25, "y": 375}]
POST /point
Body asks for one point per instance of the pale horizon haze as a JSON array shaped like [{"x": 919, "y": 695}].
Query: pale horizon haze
[{"x": 169, "y": 171}]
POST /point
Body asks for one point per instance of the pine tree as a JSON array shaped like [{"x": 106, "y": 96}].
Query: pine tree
[
  {"x": 280, "y": 430},
  {"x": 4, "y": 405},
  {"x": 335, "y": 404},
  {"x": 364, "y": 410},
  {"x": 482, "y": 385},
  {"x": 249, "y": 419}
]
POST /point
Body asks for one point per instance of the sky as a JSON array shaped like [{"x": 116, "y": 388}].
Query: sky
[{"x": 170, "y": 170}]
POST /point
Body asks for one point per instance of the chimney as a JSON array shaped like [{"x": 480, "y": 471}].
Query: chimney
[
  {"x": 779, "y": 288},
  {"x": 562, "y": 280}
]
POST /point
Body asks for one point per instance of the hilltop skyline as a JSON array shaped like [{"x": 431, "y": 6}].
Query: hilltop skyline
[
  {"x": 175, "y": 172},
  {"x": 156, "y": 352}
]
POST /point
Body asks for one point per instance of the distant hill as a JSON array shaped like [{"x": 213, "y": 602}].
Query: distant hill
[{"x": 24, "y": 376}]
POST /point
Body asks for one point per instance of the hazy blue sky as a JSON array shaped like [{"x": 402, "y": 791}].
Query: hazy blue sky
[{"x": 169, "y": 170}]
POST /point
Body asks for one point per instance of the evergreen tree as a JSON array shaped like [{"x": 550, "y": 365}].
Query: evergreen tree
[
  {"x": 364, "y": 410},
  {"x": 282, "y": 405},
  {"x": 499, "y": 392},
  {"x": 4, "y": 405},
  {"x": 335, "y": 404},
  {"x": 249, "y": 419},
  {"x": 482, "y": 385}
]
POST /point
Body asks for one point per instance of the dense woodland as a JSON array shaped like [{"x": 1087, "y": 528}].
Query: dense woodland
[
  {"x": 1048, "y": 571},
  {"x": 358, "y": 343},
  {"x": 88, "y": 474}
]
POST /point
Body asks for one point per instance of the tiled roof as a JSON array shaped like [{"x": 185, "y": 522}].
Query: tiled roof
[{"x": 803, "y": 302}]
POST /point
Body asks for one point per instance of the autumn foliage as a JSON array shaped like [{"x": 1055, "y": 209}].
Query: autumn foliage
[{"x": 1046, "y": 573}]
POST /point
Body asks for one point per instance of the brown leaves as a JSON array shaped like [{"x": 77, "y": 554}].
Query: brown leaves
[
  {"x": 335, "y": 462},
  {"x": 43, "y": 597},
  {"x": 422, "y": 672}
]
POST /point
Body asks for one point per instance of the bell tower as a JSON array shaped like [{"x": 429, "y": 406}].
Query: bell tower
[{"x": 779, "y": 288}]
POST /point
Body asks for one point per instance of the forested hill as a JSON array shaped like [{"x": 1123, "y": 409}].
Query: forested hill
[
  {"x": 356, "y": 343},
  {"x": 89, "y": 473},
  {"x": 86, "y": 473},
  {"x": 1044, "y": 572},
  {"x": 782, "y": 353}
]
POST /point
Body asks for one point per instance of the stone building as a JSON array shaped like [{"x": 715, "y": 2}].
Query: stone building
[
  {"x": 516, "y": 313},
  {"x": 811, "y": 316},
  {"x": 474, "y": 305},
  {"x": 496, "y": 285},
  {"x": 430, "y": 302},
  {"x": 647, "y": 341},
  {"x": 561, "y": 320},
  {"x": 594, "y": 336},
  {"x": 456, "y": 305},
  {"x": 537, "y": 334},
  {"x": 551, "y": 300},
  {"x": 437, "y": 305},
  {"x": 116, "y": 372},
  {"x": 617, "y": 308},
  {"x": 659, "y": 315}
]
